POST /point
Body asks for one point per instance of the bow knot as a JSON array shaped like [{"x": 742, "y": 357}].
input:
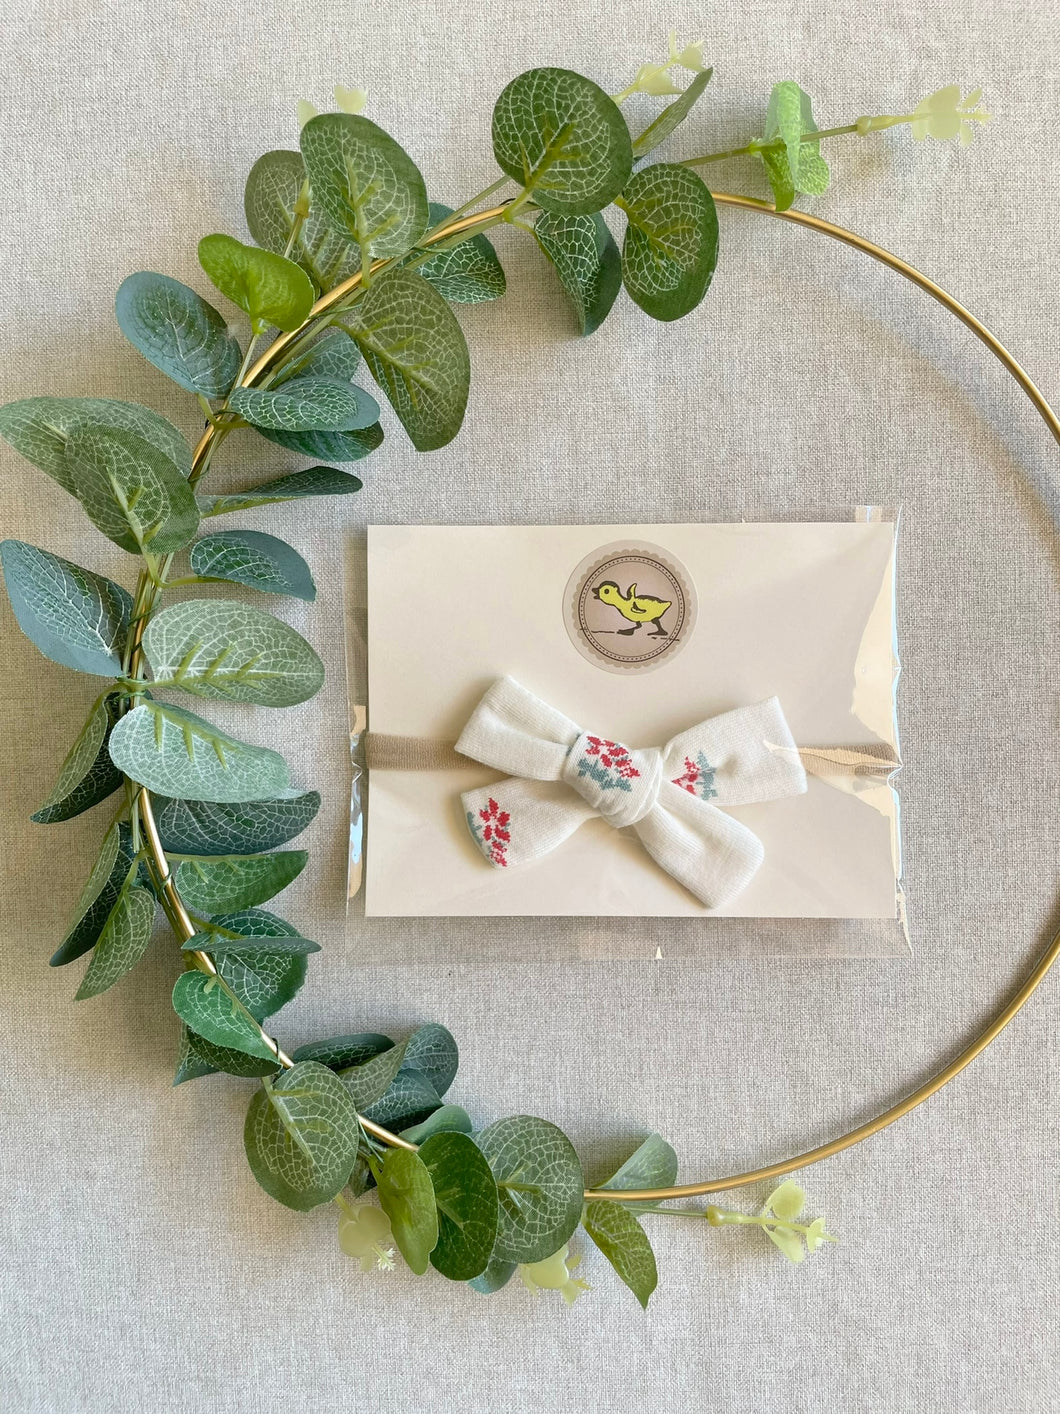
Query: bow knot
[{"x": 562, "y": 776}]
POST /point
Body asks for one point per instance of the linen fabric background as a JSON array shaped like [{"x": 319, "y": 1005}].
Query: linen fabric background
[{"x": 143, "y": 1267}]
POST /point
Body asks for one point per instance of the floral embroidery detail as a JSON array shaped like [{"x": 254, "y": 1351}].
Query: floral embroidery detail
[
  {"x": 612, "y": 766},
  {"x": 698, "y": 777},
  {"x": 493, "y": 836}
]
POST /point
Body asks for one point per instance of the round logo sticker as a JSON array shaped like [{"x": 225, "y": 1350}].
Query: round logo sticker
[{"x": 629, "y": 607}]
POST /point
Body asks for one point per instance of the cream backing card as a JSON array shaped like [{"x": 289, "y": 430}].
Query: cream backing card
[{"x": 803, "y": 611}]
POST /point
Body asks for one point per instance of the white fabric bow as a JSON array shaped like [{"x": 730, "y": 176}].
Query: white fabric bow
[{"x": 562, "y": 776}]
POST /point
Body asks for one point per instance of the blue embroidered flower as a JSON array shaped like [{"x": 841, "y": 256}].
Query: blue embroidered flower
[{"x": 612, "y": 766}]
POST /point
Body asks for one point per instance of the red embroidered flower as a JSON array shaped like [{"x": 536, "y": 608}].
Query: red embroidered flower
[
  {"x": 495, "y": 832},
  {"x": 687, "y": 781}
]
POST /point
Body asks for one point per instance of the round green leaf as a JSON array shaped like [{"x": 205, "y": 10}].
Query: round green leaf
[
  {"x": 410, "y": 1099},
  {"x": 307, "y": 405},
  {"x": 333, "y": 355},
  {"x": 417, "y": 353},
  {"x": 432, "y": 1050},
  {"x": 75, "y": 617},
  {"x": 247, "y": 827},
  {"x": 177, "y": 331},
  {"x": 201, "y": 1057},
  {"x": 329, "y": 446},
  {"x": 220, "y": 885},
  {"x": 671, "y": 244},
  {"x": 465, "y": 1194},
  {"x": 562, "y": 138},
  {"x": 540, "y": 1183},
  {"x": 301, "y": 1136},
  {"x": 587, "y": 262},
  {"x": 364, "y": 184},
  {"x": 122, "y": 942},
  {"x": 179, "y": 754},
  {"x": 338, "y": 1052},
  {"x": 625, "y": 1244},
  {"x": 274, "y": 191},
  {"x": 219, "y": 649},
  {"x": 130, "y": 490},
  {"x": 652, "y": 1165},
  {"x": 250, "y": 557},
  {"x": 368, "y": 1080},
  {"x": 260, "y": 956},
  {"x": 315, "y": 481},
  {"x": 446, "y": 1119},
  {"x": 265, "y": 286},
  {"x": 87, "y": 775},
  {"x": 406, "y": 1195},
  {"x": 467, "y": 273},
  {"x": 207, "y": 1009}
]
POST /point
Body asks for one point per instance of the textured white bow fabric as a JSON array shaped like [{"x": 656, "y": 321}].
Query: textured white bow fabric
[{"x": 562, "y": 776}]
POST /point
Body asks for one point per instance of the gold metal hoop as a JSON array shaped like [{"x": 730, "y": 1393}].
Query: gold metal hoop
[{"x": 182, "y": 924}]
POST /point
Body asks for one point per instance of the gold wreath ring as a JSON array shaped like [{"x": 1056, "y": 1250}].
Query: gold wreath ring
[{"x": 1037, "y": 973}]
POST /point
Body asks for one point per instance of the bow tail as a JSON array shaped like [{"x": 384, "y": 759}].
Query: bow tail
[
  {"x": 517, "y": 820},
  {"x": 707, "y": 851}
]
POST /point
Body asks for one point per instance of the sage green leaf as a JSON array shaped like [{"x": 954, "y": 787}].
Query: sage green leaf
[
  {"x": 563, "y": 139},
  {"x": 226, "y": 883},
  {"x": 204, "y": 1058},
  {"x": 331, "y": 446},
  {"x": 672, "y": 116},
  {"x": 307, "y": 405},
  {"x": 88, "y": 775},
  {"x": 39, "y": 429},
  {"x": 177, "y": 331},
  {"x": 410, "y": 1099},
  {"x": 784, "y": 120},
  {"x": 406, "y": 1195},
  {"x": 175, "y": 753},
  {"x": 338, "y": 1052},
  {"x": 364, "y": 184},
  {"x": 625, "y": 1244},
  {"x": 75, "y": 617},
  {"x": 219, "y": 649},
  {"x": 130, "y": 490},
  {"x": 671, "y": 244},
  {"x": 276, "y": 189},
  {"x": 540, "y": 1183},
  {"x": 448, "y": 1119},
  {"x": 417, "y": 353},
  {"x": 497, "y": 1275},
  {"x": 369, "y": 1080},
  {"x": 333, "y": 355},
  {"x": 190, "y": 1065},
  {"x": 316, "y": 481},
  {"x": 250, "y": 557},
  {"x": 797, "y": 165},
  {"x": 432, "y": 1050},
  {"x": 467, "y": 273},
  {"x": 652, "y": 1165},
  {"x": 587, "y": 262},
  {"x": 465, "y": 1194},
  {"x": 260, "y": 956},
  {"x": 122, "y": 942},
  {"x": 268, "y": 288},
  {"x": 247, "y": 827},
  {"x": 98, "y": 897},
  {"x": 301, "y": 1136},
  {"x": 206, "y": 1008}
]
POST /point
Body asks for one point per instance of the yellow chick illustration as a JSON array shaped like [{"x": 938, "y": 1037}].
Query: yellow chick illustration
[{"x": 638, "y": 610}]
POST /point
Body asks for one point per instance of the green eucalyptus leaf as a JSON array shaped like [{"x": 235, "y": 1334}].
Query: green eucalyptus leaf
[
  {"x": 130, "y": 490},
  {"x": 432, "y": 1050},
  {"x": 75, "y": 617},
  {"x": 338, "y": 1052},
  {"x": 797, "y": 166},
  {"x": 625, "y": 1244},
  {"x": 671, "y": 244},
  {"x": 333, "y": 355},
  {"x": 274, "y": 194},
  {"x": 406, "y": 1195},
  {"x": 206, "y": 1008},
  {"x": 201, "y": 1057},
  {"x": 448, "y": 1119},
  {"x": 250, "y": 557},
  {"x": 88, "y": 775},
  {"x": 784, "y": 120},
  {"x": 316, "y": 481},
  {"x": 301, "y": 1136},
  {"x": 672, "y": 116},
  {"x": 652, "y": 1165},
  {"x": 465, "y": 1194},
  {"x": 225, "y": 883},
  {"x": 123, "y": 940},
  {"x": 410, "y": 1100},
  {"x": 98, "y": 897},
  {"x": 191, "y": 1065},
  {"x": 775, "y": 162},
  {"x": 364, "y": 184},
  {"x": 246, "y": 827},
  {"x": 267, "y": 287},
  {"x": 467, "y": 273},
  {"x": 587, "y": 262},
  {"x": 39, "y": 428},
  {"x": 417, "y": 353},
  {"x": 307, "y": 405},
  {"x": 330, "y": 446},
  {"x": 369, "y": 1080},
  {"x": 540, "y": 1183},
  {"x": 219, "y": 649},
  {"x": 498, "y": 1274},
  {"x": 179, "y": 754},
  {"x": 177, "y": 331},
  {"x": 563, "y": 139},
  {"x": 260, "y": 956}
]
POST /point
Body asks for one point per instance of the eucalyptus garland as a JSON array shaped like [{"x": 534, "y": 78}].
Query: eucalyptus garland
[{"x": 351, "y": 265}]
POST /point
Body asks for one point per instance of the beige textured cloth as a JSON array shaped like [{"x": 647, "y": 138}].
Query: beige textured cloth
[{"x": 142, "y": 1267}]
